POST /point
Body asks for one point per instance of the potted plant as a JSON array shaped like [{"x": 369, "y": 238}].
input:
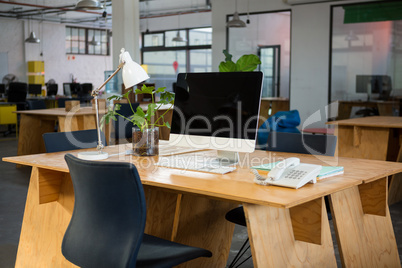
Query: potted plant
[
  {"x": 246, "y": 63},
  {"x": 146, "y": 123}
]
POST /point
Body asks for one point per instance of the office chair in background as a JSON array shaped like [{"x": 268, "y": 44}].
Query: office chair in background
[
  {"x": 290, "y": 143},
  {"x": 74, "y": 140},
  {"x": 123, "y": 129},
  {"x": 85, "y": 91},
  {"x": 52, "y": 89},
  {"x": 36, "y": 104},
  {"x": 108, "y": 221}
]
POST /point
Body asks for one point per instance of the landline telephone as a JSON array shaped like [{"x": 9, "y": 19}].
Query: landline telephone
[{"x": 289, "y": 173}]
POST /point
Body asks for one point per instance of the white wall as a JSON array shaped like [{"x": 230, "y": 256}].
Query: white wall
[{"x": 58, "y": 65}]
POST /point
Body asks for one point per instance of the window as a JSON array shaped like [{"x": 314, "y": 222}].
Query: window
[
  {"x": 166, "y": 58},
  {"x": 87, "y": 41},
  {"x": 366, "y": 51}
]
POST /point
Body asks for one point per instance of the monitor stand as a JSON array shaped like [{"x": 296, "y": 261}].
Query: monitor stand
[{"x": 227, "y": 158}]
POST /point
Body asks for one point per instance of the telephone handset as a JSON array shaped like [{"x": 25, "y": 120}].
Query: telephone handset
[{"x": 290, "y": 173}]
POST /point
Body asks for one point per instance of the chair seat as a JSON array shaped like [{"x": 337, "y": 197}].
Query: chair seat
[
  {"x": 157, "y": 252},
  {"x": 236, "y": 216}
]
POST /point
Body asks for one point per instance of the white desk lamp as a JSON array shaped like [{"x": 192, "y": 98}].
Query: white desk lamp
[{"x": 133, "y": 74}]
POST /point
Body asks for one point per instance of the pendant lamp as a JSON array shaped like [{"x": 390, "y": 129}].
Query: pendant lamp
[
  {"x": 236, "y": 22},
  {"x": 178, "y": 38},
  {"x": 89, "y": 4},
  {"x": 94, "y": 42},
  {"x": 32, "y": 36}
]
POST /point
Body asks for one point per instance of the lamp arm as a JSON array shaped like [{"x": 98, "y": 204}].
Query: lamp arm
[
  {"x": 96, "y": 91},
  {"x": 95, "y": 94}
]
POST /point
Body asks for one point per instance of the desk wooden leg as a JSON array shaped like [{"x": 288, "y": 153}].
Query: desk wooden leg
[
  {"x": 44, "y": 224},
  {"x": 30, "y": 139},
  {"x": 365, "y": 240},
  {"x": 191, "y": 220},
  {"x": 275, "y": 243}
]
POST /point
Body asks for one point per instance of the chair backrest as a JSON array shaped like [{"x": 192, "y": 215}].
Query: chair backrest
[
  {"x": 302, "y": 143},
  {"x": 36, "y": 104},
  {"x": 65, "y": 141},
  {"x": 17, "y": 92},
  {"x": 52, "y": 89},
  {"x": 108, "y": 221},
  {"x": 86, "y": 89},
  {"x": 122, "y": 127}
]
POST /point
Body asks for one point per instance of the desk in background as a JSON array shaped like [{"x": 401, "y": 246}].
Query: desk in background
[
  {"x": 287, "y": 227},
  {"x": 34, "y": 123},
  {"x": 385, "y": 108},
  {"x": 373, "y": 137},
  {"x": 275, "y": 104}
]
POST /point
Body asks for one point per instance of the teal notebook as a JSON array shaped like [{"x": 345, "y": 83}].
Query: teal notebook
[{"x": 326, "y": 171}]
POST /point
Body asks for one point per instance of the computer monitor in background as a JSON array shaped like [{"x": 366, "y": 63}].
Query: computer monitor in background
[
  {"x": 374, "y": 84},
  {"x": 217, "y": 111},
  {"x": 67, "y": 89},
  {"x": 75, "y": 88},
  {"x": 35, "y": 89}
]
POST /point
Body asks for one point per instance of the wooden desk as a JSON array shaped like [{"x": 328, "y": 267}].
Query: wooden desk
[
  {"x": 286, "y": 227},
  {"x": 34, "y": 123},
  {"x": 373, "y": 137},
  {"x": 385, "y": 108},
  {"x": 275, "y": 104}
]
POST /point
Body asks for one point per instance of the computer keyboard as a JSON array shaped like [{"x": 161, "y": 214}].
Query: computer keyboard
[{"x": 194, "y": 163}]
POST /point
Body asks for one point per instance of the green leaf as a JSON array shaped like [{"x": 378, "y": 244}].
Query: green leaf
[
  {"x": 147, "y": 90},
  {"x": 161, "y": 89},
  {"x": 166, "y": 97},
  {"x": 127, "y": 93},
  {"x": 247, "y": 63},
  {"x": 228, "y": 66},
  {"x": 117, "y": 107},
  {"x": 167, "y": 125},
  {"x": 228, "y": 57},
  {"x": 115, "y": 97}
]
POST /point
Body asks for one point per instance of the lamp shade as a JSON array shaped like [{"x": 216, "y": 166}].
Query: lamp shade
[
  {"x": 236, "y": 21},
  {"x": 32, "y": 38},
  {"x": 178, "y": 38},
  {"x": 89, "y": 4},
  {"x": 133, "y": 73}
]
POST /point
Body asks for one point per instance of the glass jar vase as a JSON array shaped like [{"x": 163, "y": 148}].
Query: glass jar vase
[{"x": 146, "y": 143}]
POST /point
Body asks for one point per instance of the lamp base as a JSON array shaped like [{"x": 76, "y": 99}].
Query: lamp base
[{"x": 94, "y": 155}]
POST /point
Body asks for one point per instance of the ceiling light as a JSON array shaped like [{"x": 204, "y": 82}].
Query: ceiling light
[
  {"x": 351, "y": 36},
  {"x": 178, "y": 38},
  {"x": 32, "y": 38},
  {"x": 94, "y": 42},
  {"x": 89, "y": 4},
  {"x": 236, "y": 21}
]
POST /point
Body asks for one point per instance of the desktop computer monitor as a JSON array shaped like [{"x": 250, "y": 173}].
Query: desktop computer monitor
[
  {"x": 374, "y": 84},
  {"x": 217, "y": 111},
  {"x": 52, "y": 89},
  {"x": 35, "y": 89},
  {"x": 67, "y": 89}
]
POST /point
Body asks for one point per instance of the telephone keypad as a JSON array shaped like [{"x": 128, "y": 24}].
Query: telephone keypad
[{"x": 295, "y": 174}]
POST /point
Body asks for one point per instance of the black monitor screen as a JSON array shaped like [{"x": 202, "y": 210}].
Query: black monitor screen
[
  {"x": 2, "y": 88},
  {"x": 35, "y": 89},
  {"x": 217, "y": 104},
  {"x": 377, "y": 83}
]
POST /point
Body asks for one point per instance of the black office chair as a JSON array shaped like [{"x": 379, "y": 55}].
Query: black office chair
[
  {"x": 52, "y": 89},
  {"x": 108, "y": 221},
  {"x": 86, "y": 89},
  {"x": 123, "y": 129},
  {"x": 289, "y": 143},
  {"x": 65, "y": 141},
  {"x": 36, "y": 104},
  {"x": 17, "y": 93}
]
